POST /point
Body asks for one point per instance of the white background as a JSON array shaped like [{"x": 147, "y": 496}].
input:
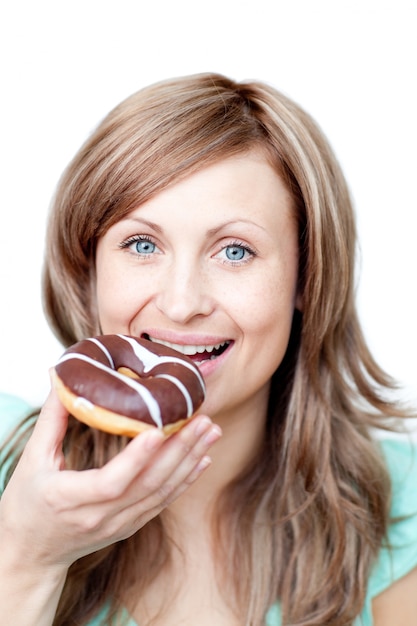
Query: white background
[{"x": 352, "y": 64}]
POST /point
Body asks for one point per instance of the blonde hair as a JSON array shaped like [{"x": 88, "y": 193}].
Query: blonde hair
[{"x": 317, "y": 497}]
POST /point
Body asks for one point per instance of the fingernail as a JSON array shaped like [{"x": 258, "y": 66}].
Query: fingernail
[
  {"x": 213, "y": 435},
  {"x": 204, "y": 464},
  {"x": 202, "y": 426},
  {"x": 154, "y": 439}
]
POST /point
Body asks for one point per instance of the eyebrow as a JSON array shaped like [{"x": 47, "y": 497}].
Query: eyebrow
[
  {"x": 217, "y": 229},
  {"x": 212, "y": 231},
  {"x": 148, "y": 223}
]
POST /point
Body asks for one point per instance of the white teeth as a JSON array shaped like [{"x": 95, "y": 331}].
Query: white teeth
[{"x": 189, "y": 350}]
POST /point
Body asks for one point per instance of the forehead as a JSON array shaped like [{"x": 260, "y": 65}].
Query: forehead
[
  {"x": 240, "y": 189},
  {"x": 244, "y": 175}
]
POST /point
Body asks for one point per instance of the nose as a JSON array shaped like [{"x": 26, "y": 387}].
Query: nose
[{"x": 184, "y": 293}]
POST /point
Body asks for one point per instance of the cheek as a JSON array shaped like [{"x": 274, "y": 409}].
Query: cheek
[
  {"x": 105, "y": 304},
  {"x": 270, "y": 333},
  {"x": 114, "y": 300},
  {"x": 122, "y": 293},
  {"x": 270, "y": 302},
  {"x": 268, "y": 320}
]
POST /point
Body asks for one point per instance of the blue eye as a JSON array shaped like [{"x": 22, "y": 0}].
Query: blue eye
[
  {"x": 235, "y": 253},
  {"x": 143, "y": 246}
]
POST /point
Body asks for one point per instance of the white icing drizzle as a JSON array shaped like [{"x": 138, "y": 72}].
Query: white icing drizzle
[
  {"x": 151, "y": 360},
  {"x": 183, "y": 389},
  {"x": 143, "y": 392},
  {"x": 103, "y": 349},
  {"x": 83, "y": 402}
]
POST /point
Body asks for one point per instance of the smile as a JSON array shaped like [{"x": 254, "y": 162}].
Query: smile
[{"x": 198, "y": 353}]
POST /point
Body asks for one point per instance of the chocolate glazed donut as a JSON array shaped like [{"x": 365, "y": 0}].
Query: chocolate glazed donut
[{"x": 123, "y": 385}]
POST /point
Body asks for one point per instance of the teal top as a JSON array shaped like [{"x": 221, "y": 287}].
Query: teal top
[{"x": 401, "y": 457}]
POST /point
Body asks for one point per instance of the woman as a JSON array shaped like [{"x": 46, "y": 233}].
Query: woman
[{"x": 204, "y": 213}]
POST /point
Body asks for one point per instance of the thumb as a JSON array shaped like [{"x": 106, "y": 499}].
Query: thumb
[{"x": 49, "y": 432}]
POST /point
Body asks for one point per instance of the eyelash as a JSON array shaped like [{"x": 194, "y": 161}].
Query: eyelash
[
  {"x": 134, "y": 239},
  {"x": 239, "y": 244},
  {"x": 233, "y": 244}
]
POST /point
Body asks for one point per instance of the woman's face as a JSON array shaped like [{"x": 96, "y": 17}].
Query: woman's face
[{"x": 209, "y": 266}]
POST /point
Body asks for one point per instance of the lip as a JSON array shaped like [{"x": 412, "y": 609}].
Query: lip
[
  {"x": 207, "y": 366},
  {"x": 185, "y": 340}
]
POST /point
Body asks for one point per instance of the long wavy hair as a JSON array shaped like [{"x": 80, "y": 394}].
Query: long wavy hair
[{"x": 304, "y": 523}]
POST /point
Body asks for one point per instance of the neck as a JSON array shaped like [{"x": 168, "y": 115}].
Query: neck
[
  {"x": 243, "y": 433},
  {"x": 190, "y": 525}
]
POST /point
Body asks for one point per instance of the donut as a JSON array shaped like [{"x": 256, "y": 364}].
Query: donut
[{"x": 123, "y": 385}]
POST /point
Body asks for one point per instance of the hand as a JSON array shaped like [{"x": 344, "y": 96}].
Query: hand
[{"x": 53, "y": 516}]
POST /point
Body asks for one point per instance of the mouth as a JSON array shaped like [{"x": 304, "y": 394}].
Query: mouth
[{"x": 197, "y": 353}]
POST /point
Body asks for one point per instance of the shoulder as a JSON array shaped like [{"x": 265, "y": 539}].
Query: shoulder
[
  {"x": 12, "y": 411},
  {"x": 395, "y": 570},
  {"x": 399, "y": 556},
  {"x": 102, "y": 618},
  {"x": 398, "y": 603}
]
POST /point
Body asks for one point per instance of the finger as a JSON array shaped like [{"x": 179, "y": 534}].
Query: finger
[
  {"x": 49, "y": 431},
  {"x": 146, "y": 462},
  {"x": 136, "y": 512},
  {"x": 111, "y": 481},
  {"x": 170, "y": 472},
  {"x": 150, "y": 451},
  {"x": 123, "y": 469}
]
